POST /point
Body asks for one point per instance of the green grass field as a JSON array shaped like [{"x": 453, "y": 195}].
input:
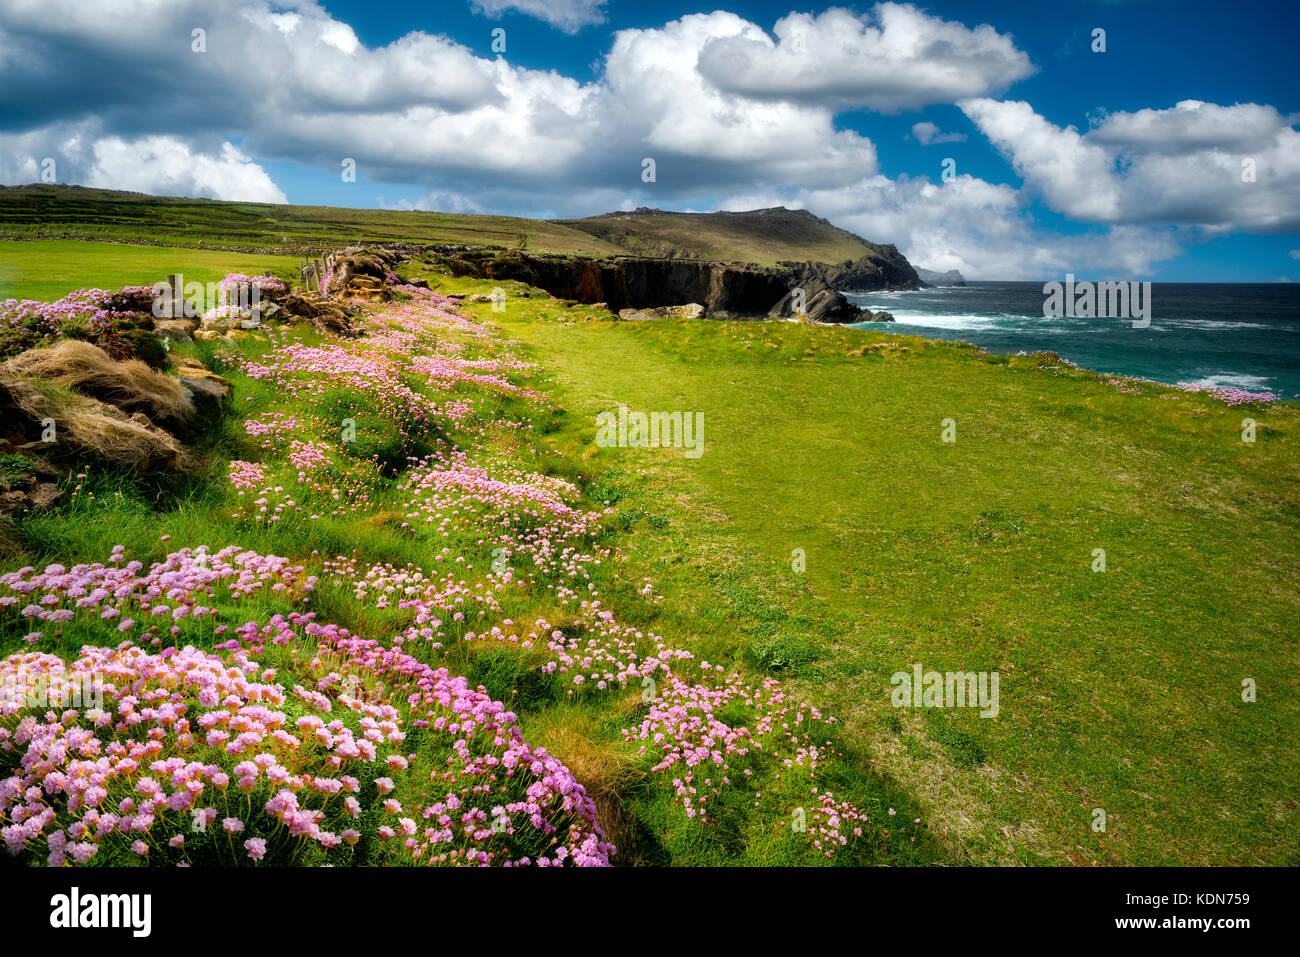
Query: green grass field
[
  {"x": 1120, "y": 690},
  {"x": 48, "y": 269},
  {"x": 764, "y": 237},
  {"x": 42, "y": 212}
]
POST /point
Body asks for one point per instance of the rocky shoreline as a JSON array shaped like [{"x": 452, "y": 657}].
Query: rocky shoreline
[{"x": 722, "y": 290}]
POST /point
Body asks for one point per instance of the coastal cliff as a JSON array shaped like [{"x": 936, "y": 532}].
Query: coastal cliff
[{"x": 725, "y": 290}]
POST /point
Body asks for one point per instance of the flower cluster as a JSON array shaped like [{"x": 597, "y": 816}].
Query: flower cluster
[
  {"x": 297, "y": 773},
  {"x": 26, "y": 323},
  {"x": 125, "y": 597},
  {"x": 242, "y": 286},
  {"x": 1232, "y": 396},
  {"x": 717, "y": 736}
]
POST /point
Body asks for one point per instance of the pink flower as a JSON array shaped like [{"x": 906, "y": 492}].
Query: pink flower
[{"x": 256, "y": 848}]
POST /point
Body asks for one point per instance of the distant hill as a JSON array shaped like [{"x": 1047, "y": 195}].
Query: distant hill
[
  {"x": 765, "y": 237},
  {"x": 77, "y": 212},
  {"x": 950, "y": 278}
]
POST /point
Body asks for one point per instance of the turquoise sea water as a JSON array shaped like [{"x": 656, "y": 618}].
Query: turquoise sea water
[{"x": 1244, "y": 336}]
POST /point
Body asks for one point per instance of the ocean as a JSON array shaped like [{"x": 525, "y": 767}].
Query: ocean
[{"x": 1214, "y": 335}]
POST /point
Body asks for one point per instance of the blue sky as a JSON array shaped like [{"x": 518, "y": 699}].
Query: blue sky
[{"x": 1123, "y": 164}]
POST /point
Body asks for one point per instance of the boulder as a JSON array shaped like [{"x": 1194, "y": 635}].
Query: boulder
[
  {"x": 235, "y": 315},
  {"x": 206, "y": 393},
  {"x": 326, "y": 316},
  {"x": 821, "y": 303},
  {"x": 207, "y": 390},
  {"x": 692, "y": 310},
  {"x": 176, "y": 330}
]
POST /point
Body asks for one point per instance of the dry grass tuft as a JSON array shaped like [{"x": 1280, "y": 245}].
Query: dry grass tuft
[
  {"x": 605, "y": 768},
  {"x": 130, "y": 386},
  {"x": 130, "y": 442}
]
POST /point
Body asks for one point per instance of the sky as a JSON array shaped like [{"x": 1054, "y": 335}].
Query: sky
[{"x": 1111, "y": 139}]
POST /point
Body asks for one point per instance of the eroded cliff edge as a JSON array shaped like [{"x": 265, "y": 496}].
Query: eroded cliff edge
[{"x": 726, "y": 290}]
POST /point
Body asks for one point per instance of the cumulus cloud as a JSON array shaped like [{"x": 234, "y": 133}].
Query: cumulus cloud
[
  {"x": 982, "y": 229},
  {"x": 1215, "y": 167},
  {"x": 164, "y": 165},
  {"x": 1191, "y": 126},
  {"x": 159, "y": 165},
  {"x": 650, "y": 74},
  {"x": 435, "y": 202},
  {"x": 926, "y": 133},
  {"x": 568, "y": 15},
  {"x": 120, "y": 98},
  {"x": 1073, "y": 176},
  {"x": 894, "y": 58}
]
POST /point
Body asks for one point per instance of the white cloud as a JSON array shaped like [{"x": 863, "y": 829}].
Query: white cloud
[
  {"x": 160, "y": 165},
  {"x": 1191, "y": 126},
  {"x": 1073, "y": 176},
  {"x": 979, "y": 228},
  {"x": 568, "y": 15},
  {"x": 435, "y": 202},
  {"x": 651, "y": 80},
  {"x": 163, "y": 165},
  {"x": 1214, "y": 167},
  {"x": 894, "y": 58},
  {"x": 926, "y": 133}
]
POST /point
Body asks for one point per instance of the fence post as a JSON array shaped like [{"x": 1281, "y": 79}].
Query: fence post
[{"x": 177, "y": 282}]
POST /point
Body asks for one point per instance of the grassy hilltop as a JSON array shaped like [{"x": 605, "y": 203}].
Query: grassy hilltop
[
  {"x": 76, "y": 212},
  {"x": 1121, "y": 689},
  {"x": 764, "y": 237}
]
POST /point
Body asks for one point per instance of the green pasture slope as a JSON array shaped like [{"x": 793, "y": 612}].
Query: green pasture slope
[
  {"x": 1119, "y": 690},
  {"x": 49, "y": 269},
  {"x": 765, "y": 237},
  {"x": 75, "y": 212}
]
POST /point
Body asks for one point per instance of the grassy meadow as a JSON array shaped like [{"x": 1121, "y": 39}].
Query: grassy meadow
[
  {"x": 1121, "y": 689},
  {"x": 44, "y": 212},
  {"x": 764, "y": 237},
  {"x": 48, "y": 269}
]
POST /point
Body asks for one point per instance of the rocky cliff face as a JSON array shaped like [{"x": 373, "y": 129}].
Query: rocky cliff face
[
  {"x": 950, "y": 278},
  {"x": 726, "y": 290},
  {"x": 889, "y": 270}
]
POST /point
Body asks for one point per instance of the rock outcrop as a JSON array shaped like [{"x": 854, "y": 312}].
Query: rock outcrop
[
  {"x": 692, "y": 310},
  {"x": 889, "y": 270},
  {"x": 812, "y": 300},
  {"x": 724, "y": 290},
  {"x": 932, "y": 278}
]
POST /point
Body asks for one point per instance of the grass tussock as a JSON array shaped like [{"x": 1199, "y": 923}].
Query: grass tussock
[
  {"x": 87, "y": 369},
  {"x": 126, "y": 441}
]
